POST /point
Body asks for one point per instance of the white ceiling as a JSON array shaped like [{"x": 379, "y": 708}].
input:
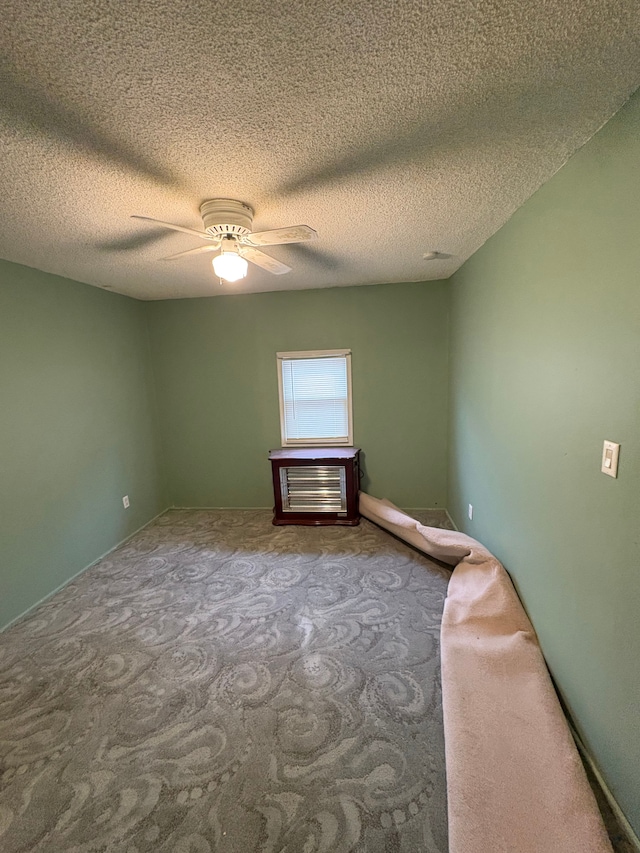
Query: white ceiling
[{"x": 392, "y": 128}]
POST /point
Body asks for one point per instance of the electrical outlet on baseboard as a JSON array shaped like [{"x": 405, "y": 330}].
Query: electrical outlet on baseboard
[
  {"x": 471, "y": 511},
  {"x": 125, "y": 501}
]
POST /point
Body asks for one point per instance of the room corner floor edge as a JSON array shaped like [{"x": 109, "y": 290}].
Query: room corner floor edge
[{"x": 81, "y": 571}]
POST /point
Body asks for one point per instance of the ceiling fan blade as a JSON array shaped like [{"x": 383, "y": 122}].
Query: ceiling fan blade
[
  {"x": 201, "y": 234},
  {"x": 265, "y": 262},
  {"x": 292, "y": 234},
  {"x": 211, "y": 248}
]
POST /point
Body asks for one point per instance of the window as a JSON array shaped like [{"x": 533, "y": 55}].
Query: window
[{"x": 315, "y": 397}]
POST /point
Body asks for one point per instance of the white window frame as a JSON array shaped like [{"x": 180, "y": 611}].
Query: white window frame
[{"x": 315, "y": 442}]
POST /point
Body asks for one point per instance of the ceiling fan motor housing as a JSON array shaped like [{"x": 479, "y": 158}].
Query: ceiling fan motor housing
[{"x": 226, "y": 217}]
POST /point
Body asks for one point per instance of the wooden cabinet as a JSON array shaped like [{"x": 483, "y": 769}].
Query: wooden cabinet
[{"x": 316, "y": 485}]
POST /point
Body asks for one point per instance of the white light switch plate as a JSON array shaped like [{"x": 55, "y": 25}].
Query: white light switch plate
[{"x": 610, "y": 453}]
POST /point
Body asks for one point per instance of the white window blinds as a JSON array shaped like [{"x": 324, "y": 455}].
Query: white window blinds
[{"x": 315, "y": 397}]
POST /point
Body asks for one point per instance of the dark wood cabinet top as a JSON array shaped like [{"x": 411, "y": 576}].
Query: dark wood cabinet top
[{"x": 304, "y": 453}]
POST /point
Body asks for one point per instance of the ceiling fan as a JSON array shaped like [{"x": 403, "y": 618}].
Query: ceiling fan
[{"x": 227, "y": 230}]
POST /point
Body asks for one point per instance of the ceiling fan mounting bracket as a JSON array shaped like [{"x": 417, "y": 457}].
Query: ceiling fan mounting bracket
[{"x": 226, "y": 217}]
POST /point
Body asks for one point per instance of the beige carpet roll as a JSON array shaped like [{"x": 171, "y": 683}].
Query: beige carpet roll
[{"x": 515, "y": 782}]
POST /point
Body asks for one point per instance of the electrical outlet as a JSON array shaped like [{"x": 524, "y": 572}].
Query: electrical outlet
[
  {"x": 125, "y": 501},
  {"x": 471, "y": 511}
]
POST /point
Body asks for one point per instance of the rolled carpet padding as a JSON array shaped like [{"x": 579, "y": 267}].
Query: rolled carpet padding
[{"x": 515, "y": 782}]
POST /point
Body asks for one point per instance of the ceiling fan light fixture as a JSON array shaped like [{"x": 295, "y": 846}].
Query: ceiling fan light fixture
[
  {"x": 227, "y": 228},
  {"x": 229, "y": 266}
]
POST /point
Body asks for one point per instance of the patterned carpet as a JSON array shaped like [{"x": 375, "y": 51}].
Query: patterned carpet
[{"x": 220, "y": 684}]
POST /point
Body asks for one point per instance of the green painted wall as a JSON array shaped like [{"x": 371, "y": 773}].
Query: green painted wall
[
  {"x": 76, "y": 430},
  {"x": 545, "y": 365},
  {"x": 215, "y": 362}
]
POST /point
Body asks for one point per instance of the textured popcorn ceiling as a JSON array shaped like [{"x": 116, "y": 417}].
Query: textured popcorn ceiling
[{"x": 392, "y": 128}]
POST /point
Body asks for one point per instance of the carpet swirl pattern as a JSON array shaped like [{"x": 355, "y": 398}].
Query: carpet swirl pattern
[{"x": 219, "y": 684}]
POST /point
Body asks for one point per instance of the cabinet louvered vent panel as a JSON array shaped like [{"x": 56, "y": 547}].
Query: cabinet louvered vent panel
[
  {"x": 313, "y": 488},
  {"x": 315, "y": 485}
]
